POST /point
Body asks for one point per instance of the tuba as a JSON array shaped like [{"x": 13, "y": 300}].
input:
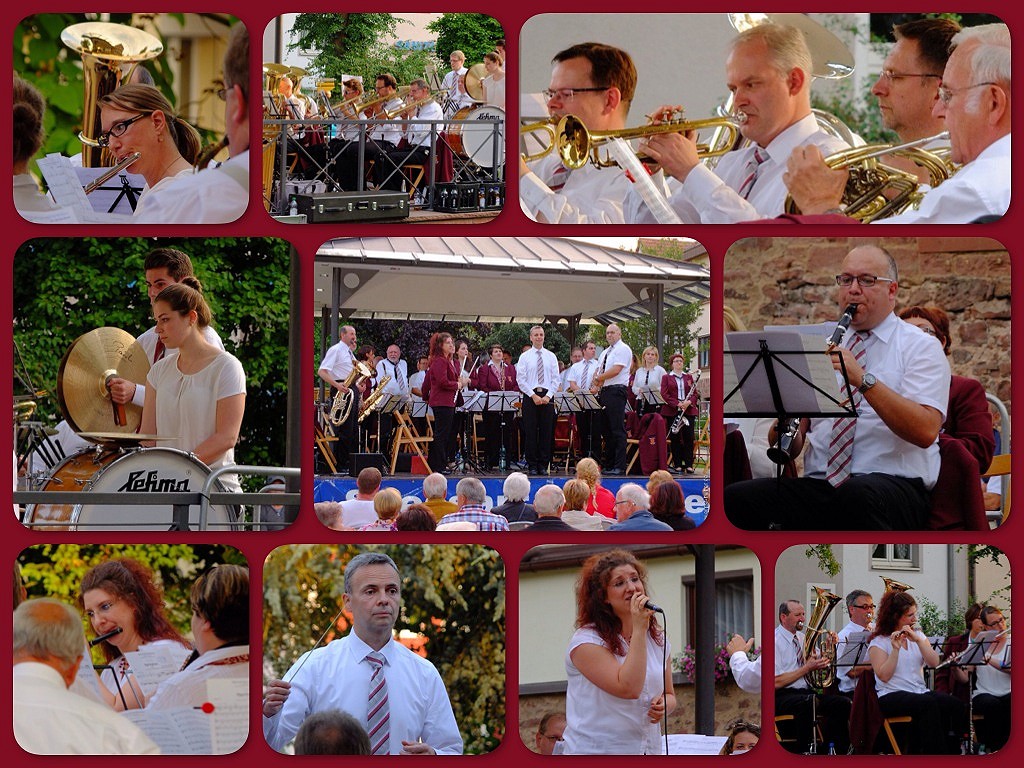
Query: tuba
[
  {"x": 342, "y": 407},
  {"x": 104, "y": 47},
  {"x": 876, "y": 190},
  {"x": 818, "y": 640},
  {"x": 366, "y": 407},
  {"x": 891, "y": 585}
]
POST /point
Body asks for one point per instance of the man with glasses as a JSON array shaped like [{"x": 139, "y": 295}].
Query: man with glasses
[
  {"x": 632, "y": 511},
  {"x": 549, "y": 732},
  {"x": 417, "y": 135},
  {"x": 455, "y": 98},
  {"x": 383, "y": 138},
  {"x": 769, "y": 72},
  {"x": 861, "y": 609},
  {"x": 974, "y": 102},
  {"x": 873, "y": 472},
  {"x": 216, "y": 195},
  {"x": 594, "y": 82}
]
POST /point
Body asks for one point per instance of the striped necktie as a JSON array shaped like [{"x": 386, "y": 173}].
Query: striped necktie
[
  {"x": 753, "y": 167},
  {"x": 840, "y": 448},
  {"x": 585, "y": 378},
  {"x": 540, "y": 368},
  {"x": 378, "y": 714}
]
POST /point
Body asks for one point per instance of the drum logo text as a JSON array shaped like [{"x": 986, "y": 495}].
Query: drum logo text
[{"x": 151, "y": 482}]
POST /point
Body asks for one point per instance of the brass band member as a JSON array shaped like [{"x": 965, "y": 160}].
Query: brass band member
[
  {"x": 496, "y": 376},
  {"x": 538, "y": 379},
  {"x": 417, "y": 135},
  {"x": 675, "y": 389},
  {"x": 610, "y": 385},
  {"x": 334, "y": 369},
  {"x": 385, "y": 137}
]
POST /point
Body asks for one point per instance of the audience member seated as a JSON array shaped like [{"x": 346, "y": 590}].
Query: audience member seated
[{"x": 516, "y": 509}]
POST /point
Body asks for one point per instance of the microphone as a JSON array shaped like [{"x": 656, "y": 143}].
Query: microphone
[
  {"x": 652, "y": 607},
  {"x": 842, "y": 326},
  {"x": 105, "y": 636}
]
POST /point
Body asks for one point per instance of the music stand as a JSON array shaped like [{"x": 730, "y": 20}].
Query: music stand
[
  {"x": 501, "y": 402},
  {"x": 855, "y": 651},
  {"x": 650, "y": 397},
  {"x": 472, "y": 403},
  {"x": 385, "y": 406},
  {"x": 975, "y": 653},
  {"x": 782, "y": 375}
]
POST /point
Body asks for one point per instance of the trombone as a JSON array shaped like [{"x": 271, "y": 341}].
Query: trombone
[
  {"x": 412, "y": 105},
  {"x": 577, "y": 145}
]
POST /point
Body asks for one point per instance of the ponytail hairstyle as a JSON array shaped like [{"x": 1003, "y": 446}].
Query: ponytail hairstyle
[
  {"x": 185, "y": 297},
  {"x": 146, "y": 99}
]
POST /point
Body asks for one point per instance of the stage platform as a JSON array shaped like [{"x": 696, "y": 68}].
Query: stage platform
[{"x": 340, "y": 488}]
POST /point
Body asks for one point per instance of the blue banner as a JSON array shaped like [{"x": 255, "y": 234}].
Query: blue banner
[{"x": 411, "y": 488}]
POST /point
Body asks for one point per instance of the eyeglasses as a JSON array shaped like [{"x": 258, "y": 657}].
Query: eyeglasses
[
  {"x": 946, "y": 93},
  {"x": 892, "y": 77},
  {"x": 118, "y": 129},
  {"x": 997, "y": 622},
  {"x": 865, "y": 281},
  {"x": 868, "y": 607},
  {"x": 626, "y": 501},
  {"x": 102, "y": 608},
  {"x": 567, "y": 94},
  {"x": 550, "y": 738}
]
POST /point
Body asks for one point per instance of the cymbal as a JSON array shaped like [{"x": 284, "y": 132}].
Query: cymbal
[
  {"x": 830, "y": 58},
  {"x": 120, "y": 437},
  {"x": 81, "y": 381},
  {"x": 474, "y": 75}
]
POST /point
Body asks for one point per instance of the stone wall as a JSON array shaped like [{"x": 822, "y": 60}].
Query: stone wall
[
  {"x": 730, "y": 704},
  {"x": 780, "y": 281}
]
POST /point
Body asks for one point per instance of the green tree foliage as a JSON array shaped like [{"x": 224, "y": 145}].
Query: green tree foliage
[
  {"x": 453, "y": 597},
  {"x": 352, "y": 44},
  {"x": 472, "y": 33},
  {"x": 56, "y": 571},
  {"x": 66, "y": 287}
]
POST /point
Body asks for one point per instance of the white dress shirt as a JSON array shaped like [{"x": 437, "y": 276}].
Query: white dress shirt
[
  {"x": 787, "y": 658},
  {"x": 711, "y": 197},
  {"x": 337, "y": 676},
  {"x": 418, "y": 134},
  {"x": 909, "y": 674},
  {"x": 582, "y": 373},
  {"x": 50, "y": 720},
  {"x": 456, "y": 98},
  {"x": 338, "y": 361},
  {"x": 589, "y": 196},
  {"x": 618, "y": 353},
  {"x": 648, "y": 379},
  {"x": 980, "y": 188},
  {"x": 187, "y": 688},
  {"x": 399, "y": 373},
  {"x": 745, "y": 672},
  {"x": 390, "y": 132},
  {"x": 28, "y": 198},
  {"x": 213, "y": 196},
  {"x": 528, "y": 369},
  {"x": 910, "y": 362},
  {"x": 847, "y": 683},
  {"x": 153, "y": 196},
  {"x": 355, "y": 513}
]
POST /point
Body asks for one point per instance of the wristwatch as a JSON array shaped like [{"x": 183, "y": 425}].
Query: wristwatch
[{"x": 867, "y": 383}]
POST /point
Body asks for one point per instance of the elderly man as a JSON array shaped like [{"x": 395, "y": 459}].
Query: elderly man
[
  {"x": 632, "y": 511},
  {"x": 549, "y": 732},
  {"x": 611, "y": 384},
  {"x": 860, "y": 607},
  {"x": 335, "y": 369},
  {"x": 220, "y": 634},
  {"x": 470, "y": 495},
  {"x": 794, "y": 697},
  {"x": 356, "y": 673},
  {"x": 974, "y": 101},
  {"x": 769, "y": 74},
  {"x": 594, "y": 82},
  {"x": 216, "y": 195},
  {"x": 516, "y": 508},
  {"x": 359, "y": 511},
  {"x": 417, "y": 149},
  {"x": 394, "y": 366},
  {"x": 49, "y": 645},
  {"x": 435, "y": 489},
  {"x": 549, "y": 501},
  {"x": 873, "y": 472},
  {"x": 745, "y": 672},
  {"x": 331, "y": 732}
]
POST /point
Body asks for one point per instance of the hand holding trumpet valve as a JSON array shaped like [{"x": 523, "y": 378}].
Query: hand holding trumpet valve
[
  {"x": 814, "y": 186},
  {"x": 676, "y": 153}
]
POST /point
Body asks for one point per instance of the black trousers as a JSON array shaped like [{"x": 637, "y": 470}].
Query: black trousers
[
  {"x": 681, "y": 444},
  {"x": 539, "y": 429},
  {"x": 589, "y": 429},
  {"x": 832, "y": 710},
  {"x": 496, "y": 436},
  {"x": 392, "y": 179},
  {"x": 613, "y": 425},
  {"x": 994, "y": 729},
  {"x": 437, "y": 457},
  {"x": 940, "y": 720},
  {"x": 348, "y": 435},
  {"x": 873, "y": 502}
]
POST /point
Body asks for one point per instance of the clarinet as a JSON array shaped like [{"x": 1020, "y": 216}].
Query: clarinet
[{"x": 681, "y": 420}]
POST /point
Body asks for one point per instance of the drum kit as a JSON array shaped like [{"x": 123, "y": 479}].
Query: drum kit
[{"x": 116, "y": 462}]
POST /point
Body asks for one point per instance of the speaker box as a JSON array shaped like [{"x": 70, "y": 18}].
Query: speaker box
[
  {"x": 410, "y": 463},
  {"x": 360, "y": 461}
]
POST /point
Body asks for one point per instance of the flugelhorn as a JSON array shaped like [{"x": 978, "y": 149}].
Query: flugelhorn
[
  {"x": 111, "y": 172},
  {"x": 876, "y": 190},
  {"x": 818, "y": 641},
  {"x": 104, "y": 48}
]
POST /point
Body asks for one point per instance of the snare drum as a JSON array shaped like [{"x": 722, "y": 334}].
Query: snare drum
[
  {"x": 476, "y": 142},
  {"x": 153, "y": 470}
]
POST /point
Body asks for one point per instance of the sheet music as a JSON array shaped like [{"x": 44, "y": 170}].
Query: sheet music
[
  {"x": 230, "y": 697},
  {"x": 64, "y": 186},
  {"x": 152, "y": 664},
  {"x": 177, "y": 731}
]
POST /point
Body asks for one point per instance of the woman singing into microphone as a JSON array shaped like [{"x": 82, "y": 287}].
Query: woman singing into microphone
[
  {"x": 898, "y": 653},
  {"x": 198, "y": 395},
  {"x": 620, "y": 679},
  {"x": 121, "y": 594}
]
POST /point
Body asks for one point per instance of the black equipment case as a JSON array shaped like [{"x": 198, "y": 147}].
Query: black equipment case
[{"x": 353, "y": 206}]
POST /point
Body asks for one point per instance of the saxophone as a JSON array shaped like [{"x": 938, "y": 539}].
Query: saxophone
[
  {"x": 819, "y": 641},
  {"x": 366, "y": 407},
  {"x": 681, "y": 420},
  {"x": 342, "y": 407}
]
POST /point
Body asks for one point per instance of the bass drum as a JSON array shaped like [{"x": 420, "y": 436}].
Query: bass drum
[
  {"x": 476, "y": 142},
  {"x": 153, "y": 470}
]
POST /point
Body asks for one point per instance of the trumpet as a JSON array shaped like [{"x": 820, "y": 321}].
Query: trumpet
[
  {"x": 111, "y": 172},
  {"x": 876, "y": 190},
  {"x": 681, "y": 420},
  {"x": 577, "y": 145}
]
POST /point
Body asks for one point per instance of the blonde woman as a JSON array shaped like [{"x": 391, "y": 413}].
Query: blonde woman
[{"x": 601, "y": 501}]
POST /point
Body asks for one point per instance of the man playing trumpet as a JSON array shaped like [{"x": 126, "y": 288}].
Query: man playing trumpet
[
  {"x": 769, "y": 72},
  {"x": 594, "y": 82}
]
